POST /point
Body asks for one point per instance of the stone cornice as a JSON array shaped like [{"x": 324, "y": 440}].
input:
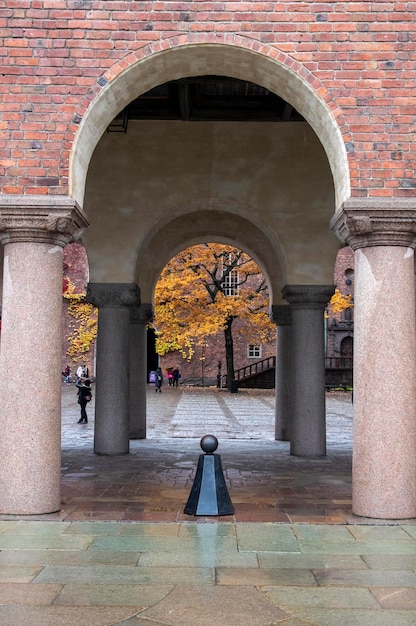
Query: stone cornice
[
  {"x": 125, "y": 295},
  {"x": 308, "y": 296},
  {"x": 44, "y": 219},
  {"x": 365, "y": 222},
  {"x": 142, "y": 314},
  {"x": 281, "y": 314}
]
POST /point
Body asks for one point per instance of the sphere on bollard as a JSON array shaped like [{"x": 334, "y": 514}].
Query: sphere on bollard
[
  {"x": 209, "y": 494},
  {"x": 209, "y": 443}
]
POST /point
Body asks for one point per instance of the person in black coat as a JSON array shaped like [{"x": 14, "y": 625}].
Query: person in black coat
[
  {"x": 176, "y": 377},
  {"x": 158, "y": 380},
  {"x": 84, "y": 396}
]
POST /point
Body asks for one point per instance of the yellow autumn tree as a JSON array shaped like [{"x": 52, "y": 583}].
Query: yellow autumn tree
[
  {"x": 340, "y": 302},
  {"x": 84, "y": 327},
  {"x": 200, "y": 293}
]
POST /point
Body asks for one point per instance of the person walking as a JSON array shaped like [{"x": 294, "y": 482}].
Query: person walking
[
  {"x": 84, "y": 396},
  {"x": 158, "y": 380},
  {"x": 176, "y": 377},
  {"x": 66, "y": 374}
]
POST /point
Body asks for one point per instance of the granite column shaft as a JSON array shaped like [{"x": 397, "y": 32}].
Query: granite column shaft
[
  {"x": 139, "y": 318},
  {"x": 308, "y": 427},
  {"x": 383, "y": 236},
  {"x": 112, "y": 403},
  {"x": 34, "y": 232},
  {"x": 281, "y": 314}
]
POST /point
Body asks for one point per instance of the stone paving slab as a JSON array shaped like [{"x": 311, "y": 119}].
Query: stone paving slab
[
  {"x": 318, "y": 597},
  {"x": 11, "y": 615},
  {"x": 166, "y": 573},
  {"x": 354, "y": 617},
  {"x": 389, "y": 598},
  {"x": 112, "y": 595},
  {"x": 220, "y": 605}
]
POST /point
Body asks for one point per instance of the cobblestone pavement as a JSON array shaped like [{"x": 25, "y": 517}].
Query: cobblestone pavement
[
  {"x": 190, "y": 412},
  {"x": 121, "y": 551}
]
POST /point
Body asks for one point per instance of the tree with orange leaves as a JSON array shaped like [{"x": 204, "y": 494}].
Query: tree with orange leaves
[{"x": 201, "y": 291}]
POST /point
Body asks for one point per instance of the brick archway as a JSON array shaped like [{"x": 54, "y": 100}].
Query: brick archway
[{"x": 236, "y": 57}]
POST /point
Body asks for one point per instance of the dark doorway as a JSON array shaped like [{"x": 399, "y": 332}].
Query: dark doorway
[{"x": 152, "y": 358}]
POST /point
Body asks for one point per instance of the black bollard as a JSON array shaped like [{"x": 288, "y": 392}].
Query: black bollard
[{"x": 209, "y": 494}]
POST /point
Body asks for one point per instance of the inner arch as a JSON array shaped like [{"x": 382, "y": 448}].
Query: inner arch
[{"x": 209, "y": 225}]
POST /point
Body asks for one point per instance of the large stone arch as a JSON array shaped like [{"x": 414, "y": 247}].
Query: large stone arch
[
  {"x": 239, "y": 58},
  {"x": 213, "y": 223}
]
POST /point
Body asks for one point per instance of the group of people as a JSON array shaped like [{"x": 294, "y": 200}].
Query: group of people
[
  {"x": 173, "y": 375},
  {"x": 82, "y": 372}
]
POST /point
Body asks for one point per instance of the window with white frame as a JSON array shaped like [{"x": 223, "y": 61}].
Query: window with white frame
[
  {"x": 230, "y": 283},
  {"x": 254, "y": 351}
]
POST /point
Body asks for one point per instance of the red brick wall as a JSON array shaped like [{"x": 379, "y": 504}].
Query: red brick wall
[
  {"x": 58, "y": 54},
  {"x": 204, "y": 364},
  {"x": 344, "y": 270}
]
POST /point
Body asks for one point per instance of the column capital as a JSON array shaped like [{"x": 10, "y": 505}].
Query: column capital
[
  {"x": 43, "y": 219},
  {"x": 365, "y": 222},
  {"x": 308, "y": 296},
  {"x": 281, "y": 314},
  {"x": 142, "y": 314},
  {"x": 125, "y": 295}
]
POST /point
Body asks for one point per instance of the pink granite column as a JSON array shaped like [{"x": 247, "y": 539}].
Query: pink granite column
[
  {"x": 34, "y": 232},
  {"x": 281, "y": 314},
  {"x": 384, "y": 459},
  {"x": 139, "y": 318}
]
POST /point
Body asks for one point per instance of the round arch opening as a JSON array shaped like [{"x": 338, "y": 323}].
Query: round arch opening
[
  {"x": 190, "y": 292},
  {"x": 292, "y": 84}
]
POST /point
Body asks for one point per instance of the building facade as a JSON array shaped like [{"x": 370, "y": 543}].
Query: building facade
[{"x": 286, "y": 129}]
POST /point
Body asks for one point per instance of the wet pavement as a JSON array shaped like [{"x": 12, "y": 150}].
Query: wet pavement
[
  {"x": 153, "y": 482},
  {"x": 121, "y": 550}
]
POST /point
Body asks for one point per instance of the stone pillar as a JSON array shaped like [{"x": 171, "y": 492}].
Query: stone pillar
[
  {"x": 308, "y": 429},
  {"x": 114, "y": 301},
  {"x": 139, "y": 318},
  {"x": 281, "y": 315},
  {"x": 382, "y": 234},
  {"x": 34, "y": 231}
]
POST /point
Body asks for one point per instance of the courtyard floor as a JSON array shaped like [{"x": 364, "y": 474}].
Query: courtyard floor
[{"x": 121, "y": 550}]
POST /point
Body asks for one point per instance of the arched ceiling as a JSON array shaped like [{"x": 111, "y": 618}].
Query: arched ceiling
[{"x": 267, "y": 178}]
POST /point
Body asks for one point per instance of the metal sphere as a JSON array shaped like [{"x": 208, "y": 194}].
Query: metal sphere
[{"x": 209, "y": 443}]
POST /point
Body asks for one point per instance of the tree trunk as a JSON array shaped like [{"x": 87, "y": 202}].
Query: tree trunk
[{"x": 229, "y": 352}]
